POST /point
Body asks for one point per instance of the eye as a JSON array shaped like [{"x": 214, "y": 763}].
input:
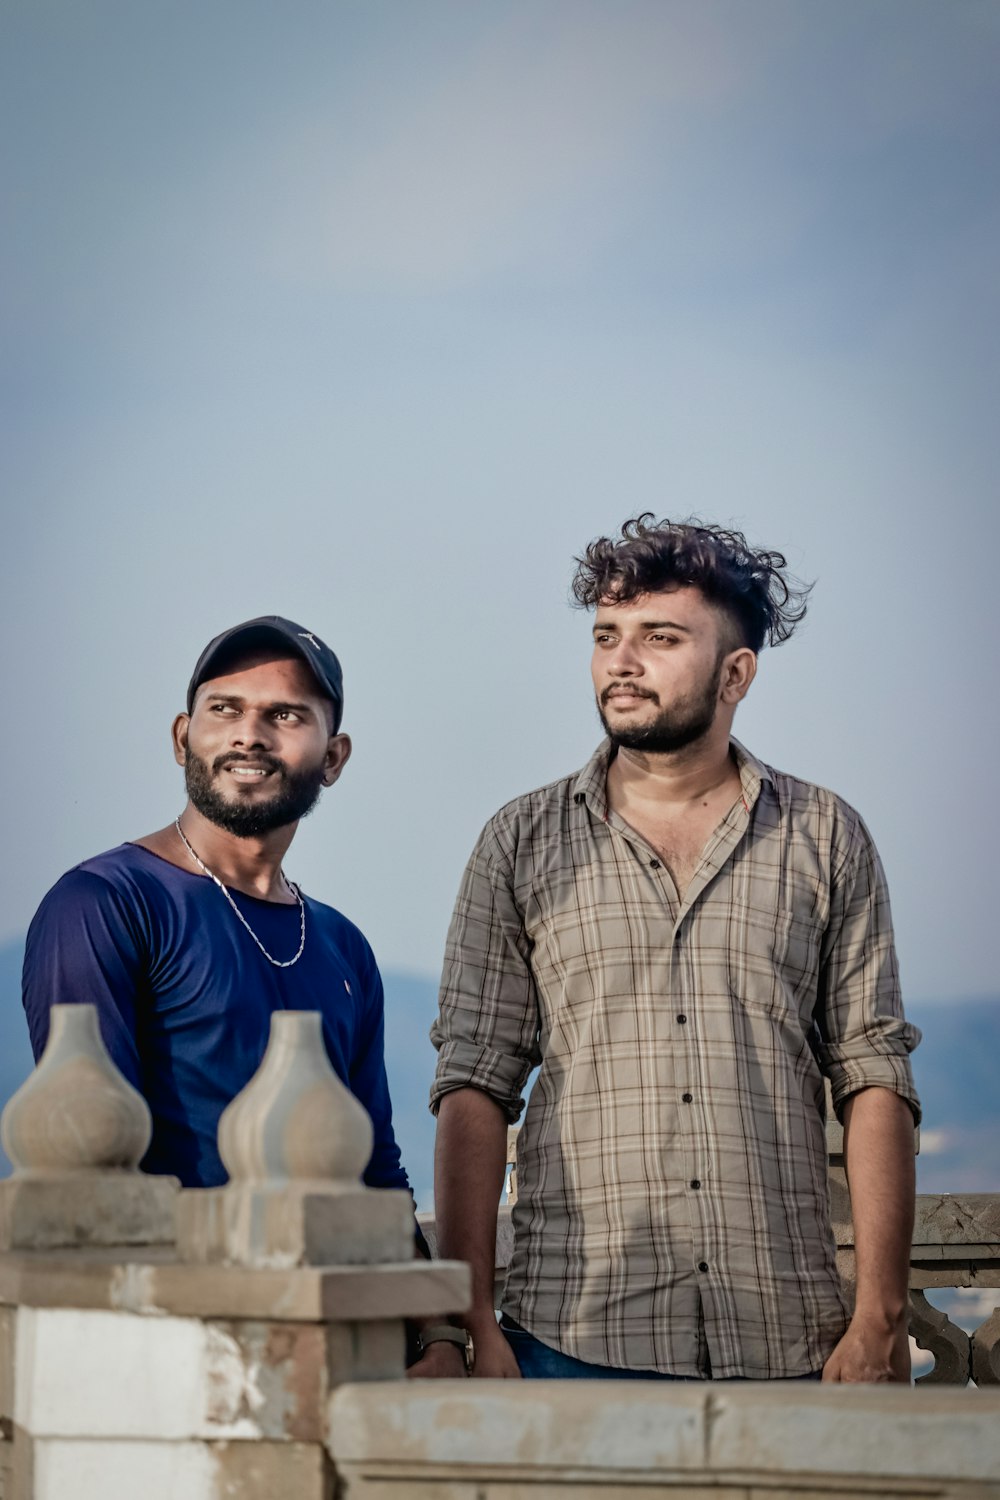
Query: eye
[
  {"x": 287, "y": 716},
  {"x": 222, "y": 710}
]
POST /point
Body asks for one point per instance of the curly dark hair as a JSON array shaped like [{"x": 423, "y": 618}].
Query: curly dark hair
[{"x": 762, "y": 600}]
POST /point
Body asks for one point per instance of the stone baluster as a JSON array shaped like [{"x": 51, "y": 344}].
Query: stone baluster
[
  {"x": 295, "y": 1143},
  {"x": 75, "y": 1133},
  {"x": 934, "y": 1331},
  {"x": 986, "y": 1351}
]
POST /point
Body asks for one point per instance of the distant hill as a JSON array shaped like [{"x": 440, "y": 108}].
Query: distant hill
[{"x": 956, "y": 1070}]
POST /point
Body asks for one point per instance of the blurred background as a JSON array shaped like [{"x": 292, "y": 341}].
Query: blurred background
[{"x": 374, "y": 313}]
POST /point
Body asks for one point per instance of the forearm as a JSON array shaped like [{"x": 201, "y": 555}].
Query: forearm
[
  {"x": 469, "y": 1163},
  {"x": 878, "y": 1155}
]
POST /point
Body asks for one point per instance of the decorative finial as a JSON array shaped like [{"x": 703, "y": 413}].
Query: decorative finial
[
  {"x": 295, "y": 1143},
  {"x": 75, "y": 1112},
  {"x": 295, "y": 1120},
  {"x": 75, "y": 1132}
]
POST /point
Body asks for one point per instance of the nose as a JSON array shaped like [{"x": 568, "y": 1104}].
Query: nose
[
  {"x": 252, "y": 731},
  {"x": 623, "y": 661}
]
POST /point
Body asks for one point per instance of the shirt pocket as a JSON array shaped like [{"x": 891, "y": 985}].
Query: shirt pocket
[{"x": 773, "y": 940}]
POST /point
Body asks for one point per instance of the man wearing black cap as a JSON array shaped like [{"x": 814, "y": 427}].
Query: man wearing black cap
[{"x": 189, "y": 938}]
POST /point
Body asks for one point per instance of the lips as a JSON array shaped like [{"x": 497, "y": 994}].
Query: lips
[
  {"x": 625, "y": 697},
  {"x": 246, "y": 771}
]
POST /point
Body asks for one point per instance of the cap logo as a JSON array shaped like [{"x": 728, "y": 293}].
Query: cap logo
[{"x": 308, "y": 636}]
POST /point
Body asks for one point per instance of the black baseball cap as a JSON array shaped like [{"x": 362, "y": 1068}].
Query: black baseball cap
[{"x": 270, "y": 630}]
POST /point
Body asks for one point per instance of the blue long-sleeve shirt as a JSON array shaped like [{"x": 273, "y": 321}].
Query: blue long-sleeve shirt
[{"x": 185, "y": 997}]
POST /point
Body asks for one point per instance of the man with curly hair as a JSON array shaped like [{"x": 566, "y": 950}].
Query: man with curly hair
[{"x": 686, "y": 943}]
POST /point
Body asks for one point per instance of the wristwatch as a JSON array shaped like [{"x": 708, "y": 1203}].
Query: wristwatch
[{"x": 447, "y": 1333}]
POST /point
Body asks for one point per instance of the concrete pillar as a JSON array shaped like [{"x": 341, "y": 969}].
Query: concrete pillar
[
  {"x": 295, "y": 1143},
  {"x": 144, "y": 1368}
]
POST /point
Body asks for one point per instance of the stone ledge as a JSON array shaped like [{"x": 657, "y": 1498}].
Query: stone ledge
[
  {"x": 306, "y": 1294},
  {"x": 945, "y": 1224},
  {"x": 95, "y": 1470},
  {"x": 959, "y": 1219},
  {"x": 284, "y": 1225},
  {"x": 54, "y": 1210},
  {"x": 613, "y": 1432}
]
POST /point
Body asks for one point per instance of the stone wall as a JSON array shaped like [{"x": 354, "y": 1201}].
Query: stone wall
[{"x": 504, "y": 1440}]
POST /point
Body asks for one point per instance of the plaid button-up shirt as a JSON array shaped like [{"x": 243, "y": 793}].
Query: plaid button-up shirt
[{"x": 672, "y": 1209}]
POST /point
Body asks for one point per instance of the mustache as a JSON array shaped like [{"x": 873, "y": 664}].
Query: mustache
[
  {"x": 269, "y": 762},
  {"x": 633, "y": 687}
]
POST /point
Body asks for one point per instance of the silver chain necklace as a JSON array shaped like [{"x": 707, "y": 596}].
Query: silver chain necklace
[{"x": 277, "y": 962}]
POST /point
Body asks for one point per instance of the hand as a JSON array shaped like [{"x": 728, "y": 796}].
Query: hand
[
  {"x": 443, "y": 1361},
  {"x": 494, "y": 1358},
  {"x": 868, "y": 1353}
]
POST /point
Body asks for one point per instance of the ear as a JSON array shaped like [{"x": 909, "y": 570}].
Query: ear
[
  {"x": 739, "y": 669},
  {"x": 338, "y": 753},
  {"x": 179, "y": 736}
]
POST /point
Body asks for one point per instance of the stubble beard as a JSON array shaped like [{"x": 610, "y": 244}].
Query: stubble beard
[
  {"x": 675, "y": 727},
  {"x": 295, "y": 797}
]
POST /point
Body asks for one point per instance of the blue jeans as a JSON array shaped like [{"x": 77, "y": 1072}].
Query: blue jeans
[{"x": 538, "y": 1361}]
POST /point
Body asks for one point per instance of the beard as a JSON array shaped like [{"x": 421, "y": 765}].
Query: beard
[
  {"x": 674, "y": 728},
  {"x": 295, "y": 795}
]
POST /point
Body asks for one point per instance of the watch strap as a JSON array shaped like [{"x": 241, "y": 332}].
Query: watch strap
[
  {"x": 442, "y": 1333},
  {"x": 447, "y": 1333}
]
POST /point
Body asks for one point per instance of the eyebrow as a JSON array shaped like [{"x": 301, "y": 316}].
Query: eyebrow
[
  {"x": 645, "y": 625},
  {"x": 299, "y": 708},
  {"x": 280, "y": 707}
]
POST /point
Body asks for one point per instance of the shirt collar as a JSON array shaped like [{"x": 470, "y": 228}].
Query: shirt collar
[
  {"x": 591, "y": 784},
  {"x": 753, "y": 773}
]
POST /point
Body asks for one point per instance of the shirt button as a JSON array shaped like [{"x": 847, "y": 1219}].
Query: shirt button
[
  {"x": 654, "y": 864},
  {"x": 703, "y": 1265},
  {"x": 696, "y": 1182},
  {"x": 687, "y": 1098},
  {"x": 682, "y": 1020}
]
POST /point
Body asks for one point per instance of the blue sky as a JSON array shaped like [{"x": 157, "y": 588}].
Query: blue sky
[{"x": 373, "y": 314}]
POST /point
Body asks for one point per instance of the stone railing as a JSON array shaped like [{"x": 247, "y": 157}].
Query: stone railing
[
  {"x": 248, "y": 1341},
  {"x": 956, "y": 1243}
]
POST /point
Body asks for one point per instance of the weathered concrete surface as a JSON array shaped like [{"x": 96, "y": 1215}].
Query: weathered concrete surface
[
  {"x": 157, "y": 1284},
  {"x": 575, "y": 1438},
  {"x": 285, "y": 1225},
  {"x": 91, "y": 1374},
  {"x": 518, "y": 1426},
  {"x": 8, "y": 1329},
  {"x": 8, "y": 1324},
  {"x": 93, "y": 1208},
  {"x": 269, "y": 1471},
  {"x": 945, "y": 1224},
  {"x": 106, "y": 1470},
  {"x": 957, "y": 1219}
]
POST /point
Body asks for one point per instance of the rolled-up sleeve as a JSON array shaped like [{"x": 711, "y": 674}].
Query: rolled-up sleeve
[
  {"x": 488, "y": 1024},
  {"x": 865, "y": 1038}
]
